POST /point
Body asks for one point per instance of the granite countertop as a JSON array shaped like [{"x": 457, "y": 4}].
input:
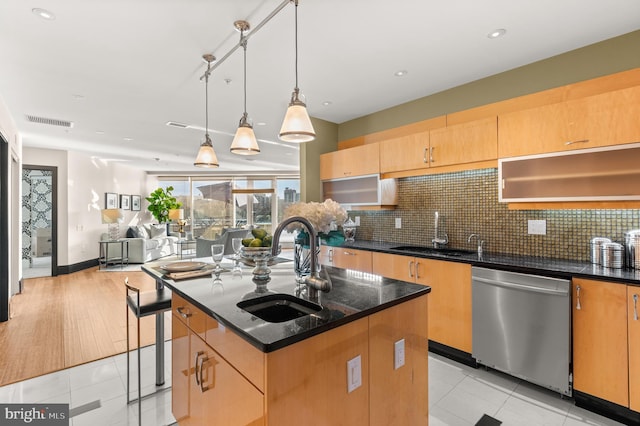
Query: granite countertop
[
  {"x": 558, "y": 268},
  {"x": 354, "y": 295}
]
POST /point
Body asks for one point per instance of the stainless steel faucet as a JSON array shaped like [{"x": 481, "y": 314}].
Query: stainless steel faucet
[
  {"x": 437, "y": 241},
  {"x": 478, "y": 240},
  {"x": 313, "y": 281}
]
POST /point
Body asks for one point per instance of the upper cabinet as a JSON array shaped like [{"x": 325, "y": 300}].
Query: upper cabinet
[
  {"x": 357, "y": 161},
  {"x": 605, "y": 119},
  {"x": 452, "y": 145},
  {"x": 464, "y": 143}
]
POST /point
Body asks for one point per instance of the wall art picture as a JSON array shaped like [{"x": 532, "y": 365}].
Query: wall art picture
[
  {"x": 135, "y": 202},
  {"x": 110, "y": 200},
  {"x": 125, "y": 199}
]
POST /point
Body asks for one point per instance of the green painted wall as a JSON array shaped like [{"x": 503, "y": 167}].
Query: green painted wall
[
  {"x": 326, "y": 141},
  {"x": 607, "y": 57}
]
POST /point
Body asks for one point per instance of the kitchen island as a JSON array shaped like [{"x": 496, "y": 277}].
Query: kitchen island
[{"x": 360, "y": 360}]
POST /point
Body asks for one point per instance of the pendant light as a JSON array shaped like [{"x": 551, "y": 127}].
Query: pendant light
[
  {"x": 244, "y": 142},
  {"x": 206, "y": 155},
  {"x": 297, "y": 126}
]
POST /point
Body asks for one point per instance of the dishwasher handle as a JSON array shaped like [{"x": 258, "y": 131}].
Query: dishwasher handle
[{"x": 524, "y": 287}]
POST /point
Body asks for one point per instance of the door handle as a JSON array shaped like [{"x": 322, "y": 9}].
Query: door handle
[
  {"x": 431, "y": 154},
  {"x": 424, "y": 155},
  {"x": 635, "y": 307},
  {"x": 195, "y": 366},
  {"x": 183, "y": 314},
  {"x": 580, "y": 141},
  {"x": 417, "y": 270},
  {"x": 331, "y": 255},
  {"x": 578, "y": 307},
  {"x": 203, "y": 389},
  {"x": 411, "y": 262}
]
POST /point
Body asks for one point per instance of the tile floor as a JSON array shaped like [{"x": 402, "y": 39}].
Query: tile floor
[
  {"x": 458, "y": 396},
  {"x": 40, "y": 267}
]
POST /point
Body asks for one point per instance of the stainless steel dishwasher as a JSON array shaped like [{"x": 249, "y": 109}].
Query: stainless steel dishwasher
[{"x": 522, "y": 326}]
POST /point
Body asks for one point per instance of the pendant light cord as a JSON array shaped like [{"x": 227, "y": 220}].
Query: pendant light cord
[
  {"x": 243, "y": 42},
  {"x": 296, "y": 44},
  {"x": 206, "y": 100}
]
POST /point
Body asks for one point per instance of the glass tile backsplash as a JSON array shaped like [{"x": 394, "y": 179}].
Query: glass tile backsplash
[{"x": 467, "y": 203}]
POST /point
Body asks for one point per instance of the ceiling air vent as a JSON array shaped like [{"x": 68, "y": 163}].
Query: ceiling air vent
[
  {"x": 176, "y": 124},
  {"x": 49, "y": 121}
]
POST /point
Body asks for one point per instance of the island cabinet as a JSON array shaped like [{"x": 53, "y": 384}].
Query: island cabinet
[
  {"x": 594, "y": 121},
  {"x": 346, "y": 258},
  {"x": 452, "y": 145},
  {"x": 350, "y": 162},
  {"x": 450, "y": 297},
  {"x": 600, "y": 350},
  {"x": 224, "y": 380}
]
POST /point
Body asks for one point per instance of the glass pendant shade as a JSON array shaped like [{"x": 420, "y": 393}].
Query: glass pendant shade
[
  {"x": 297, "y": 126},
  {"x": 244, "y": 142},
  {"x": 206, "y": 155}
]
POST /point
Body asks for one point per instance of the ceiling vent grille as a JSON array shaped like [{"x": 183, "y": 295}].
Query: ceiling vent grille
[
  {"x": 49, "y": 121},
  {"x": 176, "y": 124}
]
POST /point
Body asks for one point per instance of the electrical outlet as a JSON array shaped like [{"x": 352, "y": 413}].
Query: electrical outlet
[
  {"x": 537, "y": 227},
  {"x": 354, "y": 374},
  {"x": 398, "y": 222},
  {"x": 357, "y": 220},
  {"x": 398, "y": 358}
]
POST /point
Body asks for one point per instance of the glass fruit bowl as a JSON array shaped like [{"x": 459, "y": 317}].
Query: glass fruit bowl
[{"x": 260, "y": 256}]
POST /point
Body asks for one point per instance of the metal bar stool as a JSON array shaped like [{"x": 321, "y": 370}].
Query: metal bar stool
[{"x": 143, "y": 304}]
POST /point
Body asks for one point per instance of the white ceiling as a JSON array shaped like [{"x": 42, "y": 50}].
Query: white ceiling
[{"x": 126, "y": 67}]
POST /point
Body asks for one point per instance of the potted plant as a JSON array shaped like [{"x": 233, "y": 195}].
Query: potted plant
[{"x": 160, "y": 202}]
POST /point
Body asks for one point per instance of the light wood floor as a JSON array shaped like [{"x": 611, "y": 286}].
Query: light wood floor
[{"x": 60, "y": 322}]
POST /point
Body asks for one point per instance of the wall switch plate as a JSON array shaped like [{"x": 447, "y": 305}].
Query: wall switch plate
[
  {"x": 354, "y": 374},
  {"x": 398, "y": 358},
  {"x": 537, "y": 227},
  {"x": 398, "y": 222},
  {"x": 357, "y": 220}
]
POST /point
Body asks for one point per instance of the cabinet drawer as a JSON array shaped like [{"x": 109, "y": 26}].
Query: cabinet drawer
[
  {"x": 248, "y": 360},
  {"x": 193, "y": 317}
]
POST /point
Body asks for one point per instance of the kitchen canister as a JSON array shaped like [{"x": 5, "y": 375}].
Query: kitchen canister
[
  {"x": 596, "y": 249},
  {"x": 612, "y": 255},
  {"x": 632, "y": 249}
]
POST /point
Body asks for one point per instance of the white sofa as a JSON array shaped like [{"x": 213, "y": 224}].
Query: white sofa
[{"x": 150, "y": 242}]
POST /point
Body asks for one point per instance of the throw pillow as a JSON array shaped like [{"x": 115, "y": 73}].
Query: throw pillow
[
  {"x": 139, "y": 231},
  {"x": 158, "y": 231}
]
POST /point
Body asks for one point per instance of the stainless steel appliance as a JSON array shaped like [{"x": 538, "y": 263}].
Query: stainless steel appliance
[{"x": 522, "y": 325}]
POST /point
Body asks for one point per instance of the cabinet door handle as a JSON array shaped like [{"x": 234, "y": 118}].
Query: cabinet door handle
[
  {"x": 417, "y": 270},
  {"x": 578, "y": 307},
  {"x": 183, "y": 314},
  {"x": 195, "y": 366},
  {"x": 331, "y": 255},
  {"x": 580, "y": 141},
  {"x": 635, "y": 307},
  {"x": 424, "y": 155},
  {"x": 350, "y": 253},
  {"x": 203, "y": 389},
  {"x": 411, "y": 268},
  {"x": 431, "y": 154}
]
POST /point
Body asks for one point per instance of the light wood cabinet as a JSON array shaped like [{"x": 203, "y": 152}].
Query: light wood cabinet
[
  {"x": 180, "y": 351},
  {"x": 409, "y": 152},
  {"x": 458, "y": 144},
  {"x": 450, "y": 297},
  {"x": 464, "y": 143},
  {"x": 346, "y": 258},
  {"x": 600, "y": 356},
  {"x": 594, "y": 121},
  {"x": 633, "y": 331},
  {"x": 357, "y": 161},
  {"x": 409, "y": 383}
]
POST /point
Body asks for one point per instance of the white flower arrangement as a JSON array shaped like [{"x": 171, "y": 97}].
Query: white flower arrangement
[{"x": 321, "y": 215}]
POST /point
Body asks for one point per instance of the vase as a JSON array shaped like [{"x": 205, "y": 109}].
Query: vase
[{"x": 302, "y": 255}]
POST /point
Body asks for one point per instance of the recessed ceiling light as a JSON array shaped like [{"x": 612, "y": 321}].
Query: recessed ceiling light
[
  {"x": 99, "y": 132},
  {"x": 401, "y": 73},
  {"x": 261, "y": 123},
  {"x": 127, "y": 139},
  {"x": 497, "y": 33},
  {"x": 327, "y": 103},
  {"x": 43, "y": 13}
]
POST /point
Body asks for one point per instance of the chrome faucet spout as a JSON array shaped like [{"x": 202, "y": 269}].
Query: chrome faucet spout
[
  {"x": 478, "y": 240},
  {"x": 313, "y": 281}
]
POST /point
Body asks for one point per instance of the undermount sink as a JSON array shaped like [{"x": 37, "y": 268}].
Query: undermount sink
[
  {"x": 432, "y": 250},
  {"x": 279, "y": 307}
]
